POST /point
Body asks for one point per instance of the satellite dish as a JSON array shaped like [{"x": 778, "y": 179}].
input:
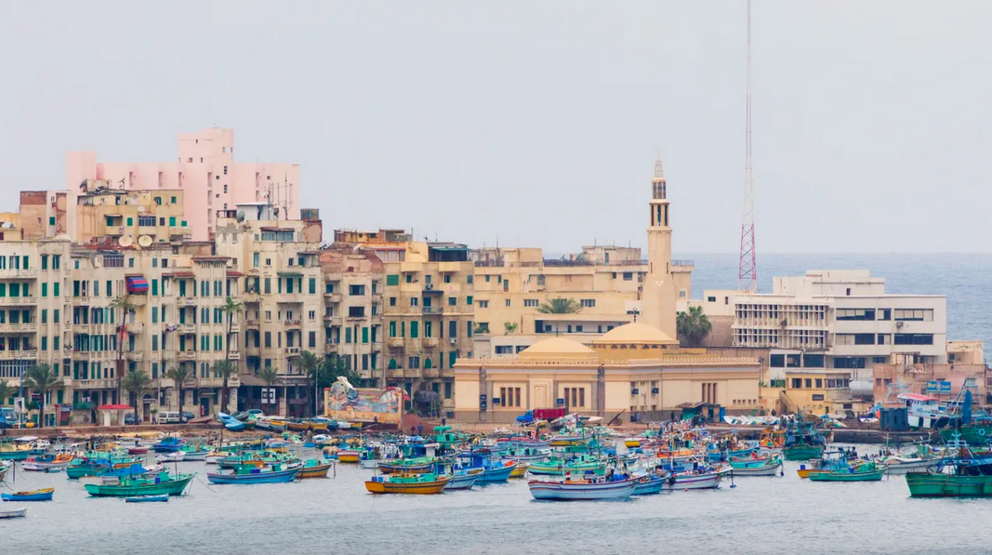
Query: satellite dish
[
  {"x": 125, "y": 241},
  {"x": 145, "y": 241},
  {"x": 240, "y": 216}
]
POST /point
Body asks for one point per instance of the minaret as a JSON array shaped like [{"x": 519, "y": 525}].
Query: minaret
[{"x": 658, "y": 301}]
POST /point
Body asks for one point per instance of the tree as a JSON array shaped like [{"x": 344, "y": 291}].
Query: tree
[
  {"x": 126, "y": 306},
  {"x": 224, "y": 369},
  {"x": 560, "y": 306},
  {"x": 181, "y": 375},
  {"x": 310, "y": 363},
  {"x": 230, "y": 308},
  {"x": 5, "y": 392},
  {"x": 333, "y": 367},
  {"x": 136, "y": 383},
  {"x": 510, "y": 327},
  {"x": 693, "y": 327},
  {"x": 41, "y": 379}
]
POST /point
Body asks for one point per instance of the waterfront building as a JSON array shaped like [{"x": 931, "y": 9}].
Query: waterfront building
[
  {"x": 205, "y": 171},
  {"x": 352, "y": 282},
  {"x": 633, "y": 368}
]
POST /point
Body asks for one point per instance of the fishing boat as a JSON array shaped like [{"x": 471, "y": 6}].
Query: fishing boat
[
  {"x": 962, "y": 473},
  {"x": 174, "y": 456},
  {"x": 521, "y": 470},
  {"x": 36, "y": 495},
  {"x": 138, "y": 450},
  {"x": 147, "y": 499},
  {"x": 770, "y": 466},
  {"x": 650, "y": 484},
  {"x": 560, "y": 464},
  {"x": 582, "y": 490},
  {"x": 706, "y": 479},
  {"x": 828, "y": 461},
  {"x": 15, "y": 450},
  {"x": 252, "y": 474},
  {"x": 162, "y": 483},
  {"x": 868, "y": 472},
  {"x": 214, "y": 456},
  {"x": 494, "y": 469},
  {"x": 802, "y": 441},
  {"x": 315, "y": 468},
  {"x": 231, "y": 423},
  {"x": 350, "y": 456},
  {"x": 463, "y": 479},
  {"x": 256, "y": 458},
  {"x": 14, "y": 513},
  {"x": 168, "y": 444},
  {"x": 40, "y": 463},
  {"x": 411, "y": 484},
  {"x": 81, "y": 468}
]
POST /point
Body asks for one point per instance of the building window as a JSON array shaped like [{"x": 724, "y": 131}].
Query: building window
[
  {"x": 855, "y": 314},
  {"x": 913, "y": 338},
  {"x": 923, "y": 315},
  {"x": 588, "y": 303},
  {"x": 507, "y": 302},
  {"x": 628, "y": 276},
  {"x": 483, "y": 304},
  {"x": 531, "y": 303},
  {"x": 356, "y": 290},
  {"x": 146, "y": 221},
  {"x": 452, "y": 301}
]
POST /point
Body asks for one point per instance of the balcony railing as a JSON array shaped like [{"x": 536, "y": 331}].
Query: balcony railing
[
  {"x": 21, "y": 354},
  {"x": 186, "y": 355},
  {"x": 430, "y": 342},
  {"x": 292, "y": 323},
  {"x": 432, "y": 310},
  {"x": 18, "y": 273},
  {"x": 29, "y": 327},
  {"x": 291, "y": 351},
  {"x": 395, "y": 342},
  {"x": 19, "y": 301}
]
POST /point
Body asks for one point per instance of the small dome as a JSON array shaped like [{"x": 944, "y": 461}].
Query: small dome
[
  {"x": 557, "y": 347},
  {"x": 635, "y": 333}
]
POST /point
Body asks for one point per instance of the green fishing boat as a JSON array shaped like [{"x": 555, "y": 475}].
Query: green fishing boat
[
  {"x": 936, "y": 484},
  {"x": 972, "y": 434},
  {"x": 867, "y": 472},
  {"x": 558, "y": 465},
  {"x": 802, "y": 452},
  {"x": 802, "y": 440},
  {"x": 129, "y": 486}
]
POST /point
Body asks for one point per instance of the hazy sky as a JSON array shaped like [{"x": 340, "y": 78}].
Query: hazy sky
[{"x": 535, "y": 121}]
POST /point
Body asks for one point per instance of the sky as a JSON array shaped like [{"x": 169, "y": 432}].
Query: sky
[{"x": 535, "y": 123}]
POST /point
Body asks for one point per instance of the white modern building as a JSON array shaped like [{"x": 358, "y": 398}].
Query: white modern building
[{"x": 839, "y": 319}]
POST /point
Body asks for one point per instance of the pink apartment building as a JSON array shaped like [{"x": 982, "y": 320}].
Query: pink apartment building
[{"x": 206, "y": 172}]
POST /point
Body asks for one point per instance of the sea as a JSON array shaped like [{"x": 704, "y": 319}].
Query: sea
[
  {"x": 760, "y": 516},
  {"x": 965, "y": 279}
]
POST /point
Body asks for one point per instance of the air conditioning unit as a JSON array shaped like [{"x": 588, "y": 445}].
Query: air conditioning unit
[
  {"x": 900, "y": 324},
  {"x": 429, "y": 286},
  {"x": 454, "y": 341}
]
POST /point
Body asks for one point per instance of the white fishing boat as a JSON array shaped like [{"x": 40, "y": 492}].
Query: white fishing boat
[
  {"x": 902, "y": 465},
  {"x": 565, "y": 490},
  {"x": 175, "y": 456},
  {"x": 368, "y": 464},
  {"x": 769, "y": 468},
  {"x": 702, "y": 480},
  {"x": 14, "y": 513}
]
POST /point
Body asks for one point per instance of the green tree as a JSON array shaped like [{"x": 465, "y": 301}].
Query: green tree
[
  {"x": 126, "y": 306},
  {"x": 692, "y": 327},
  {"x": 225, "y": 369},
  {"x": 230, "y": 308},
  {"x": 510, "y": 327},
  {"x": 335, "y": 366},
  {"x": 136, "y": 383},
  {"x": 560, "y": 306},
  {"x": 42, "y": 379},
  {"x": 310, "y": 364},
  {"x": 181, "y": 375},
  {"x": 5, "y": 392}
]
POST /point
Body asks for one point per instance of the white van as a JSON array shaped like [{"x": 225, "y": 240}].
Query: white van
[{"x": 170, "y": 418}]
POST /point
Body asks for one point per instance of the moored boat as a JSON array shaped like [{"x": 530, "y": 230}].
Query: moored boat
[
  {"x": 147, "y": 499},
  {"x": 253, "y": 474},
  {"x": 867, "y": 472},
  {"x": 36, "y": 495},
  {"x": 314, "y": 468},
  {"x": 410, "y": 484},
  {"x": 14, "y": 513},
  {"x": 693, "y": 480},
  {"x": 463, "y": 479},
  {"x": 581, "y": 490},
  {"x": 131, "y": 486}
]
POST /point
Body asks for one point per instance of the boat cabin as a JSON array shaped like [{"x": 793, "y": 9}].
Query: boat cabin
[
  {"x": 924, "y": 411},
  {"x": 707, "y": 412}
]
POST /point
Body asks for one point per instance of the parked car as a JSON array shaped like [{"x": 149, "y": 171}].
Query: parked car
[
  {"x": 187, "y": 416},
  {"x": 130, "y": 420},
  {"x": 170, "y": 417}
]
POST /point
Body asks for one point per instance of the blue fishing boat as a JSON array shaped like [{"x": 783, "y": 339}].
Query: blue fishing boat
[
  {"x": 253, "y": 474},
  {"x": 230, "y": 422},
  {"x": 649, "y": 485},
  {"x": 168, "y": 445},
  {"x": 494, "y": 468},
  {"x": 164, "y": 498},
  {"x": 36, "y": 495}
]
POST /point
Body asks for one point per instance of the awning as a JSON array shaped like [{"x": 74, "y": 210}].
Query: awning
[
  {"x": 137, "y": 285},
  {"x": 115, "y": 407},
  {"x": 290, "y": 274},
  {"x": 916, "y": 397}
]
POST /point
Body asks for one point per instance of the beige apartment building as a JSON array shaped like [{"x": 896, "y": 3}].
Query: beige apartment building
[{"x": 353, "y": 310}]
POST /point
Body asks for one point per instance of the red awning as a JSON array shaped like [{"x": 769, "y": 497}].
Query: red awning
[
  {"x": 916, "y": 397},
  {"x": 115, "y": 407}
]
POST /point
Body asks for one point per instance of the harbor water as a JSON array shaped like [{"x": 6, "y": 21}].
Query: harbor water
[{"x": 766, "y": 515}]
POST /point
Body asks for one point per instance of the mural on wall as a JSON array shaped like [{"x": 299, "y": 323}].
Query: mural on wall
[{"x": 345, "y": 402}]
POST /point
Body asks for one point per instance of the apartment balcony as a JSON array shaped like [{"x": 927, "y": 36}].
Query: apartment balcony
[
  {"x": 186, "y": 329},
  {"x": 252, "y": 324},
  {"x": 395, "y": 373},
  {"x": 27, "y": 354},
  {"x": 396, "y": 342},
  {"x": 82, "y": 328},
  {"x": 413, "y": 373},
  {"x": 430, "y": 342},
  {"x": 185, "y": 356},
  {"x": 448, "y": 373},
  {"x": 235, "y": 327},
  {"x": 332, "y": 298},
  {"x": 136, "y": 354},
  {"x": 19, "y": 274},
  {"x": 211, "y": 382},
  {"x": 30, "y": 327},
  {"x": 292, "y": 351},
  {"x": 332, "y": 347},
  {"x": 289, "y": 298},
  {"x": 292, "y": 323},
  {"x": 186, "y": 301},
  {"x": 18, "y": 301},
  {"x": 252, "y": 351},
  {"x": 135, "y": 327},
  {"x": 234, "y": 355},
  {"x": 332, "y": 320},
  {"x": 101, "y": 383},
  {"x": 432, "y": 310},
  {"x": 431, "y": 373},
  {"x": 252, "y": 297}
]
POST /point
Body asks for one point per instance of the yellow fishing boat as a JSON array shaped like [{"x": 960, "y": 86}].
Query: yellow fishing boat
[
  {"x": 805, "y": 472},
  {"x": 521, "y": 470},
  {"x": 350, "y": 456},
  {"x": 410, "y": 484},
  {"x": 314, "y": 469}
]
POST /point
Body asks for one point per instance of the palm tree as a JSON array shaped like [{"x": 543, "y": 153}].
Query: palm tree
[
  {"x": 181, "y": 375},
  {"x": 310, "y": 363},
  {"x": 41, "y": 379},
  {"x": 136, "y": 383},
  {"x": 225, "y": 369},
  {"x": 560, "y": 306},
  {"x": 510, "y": 327},
  {"x": 230, "y": 308},
  {"x": 5, "y": 392},
  {"x": 693, "y": 327},
  {"x": 126, "y": 307},
  {"x": 269, "y": 375}
]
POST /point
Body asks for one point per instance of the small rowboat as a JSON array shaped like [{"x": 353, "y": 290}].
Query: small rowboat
[
  {"x": 314, "y": 468},
  {"x": 36, "y": 495},
  {"x": 141, "y": 450},
  {"x": 175, "y": 456},
  {"x": 164, "y": 498},
  {"x": 16, "y": 513},
  {"x": 565, "y": 490}
]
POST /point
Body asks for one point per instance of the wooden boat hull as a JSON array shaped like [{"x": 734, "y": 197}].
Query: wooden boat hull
[
  {"x": 172, "y": 487},
  {"x": 773, "y": 469},
  {"x": 39, "y": 495},
  {"x": 147, "y": 499},
  {"x": 388, "y": 468},
  {"x": 462, "y": 481},
  {"x": 649, "y": 485},
  {"x": 16, "y": 513},
  {"x": 580, "y": 491},
  {"x": 694, "y": 481},
  {"x": 552, "y": 469},
  {"x": 520, "y": 471},
  {"x": 932, "y": 484},
  {"x": 802, "y": 452},
  {"x": 496, "y": 475},
  {"x": 318, "y": 471},
  {"x": 416, "y": 488},
  {"x": 369, "y": 464},
  {"x": 830, "y": 476},
  {"x": 18, "y": 455},
  {"x": 278, "y": 477},
  {"x": 904, "y": 466},
  {"x": 349, "y": 457}
]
